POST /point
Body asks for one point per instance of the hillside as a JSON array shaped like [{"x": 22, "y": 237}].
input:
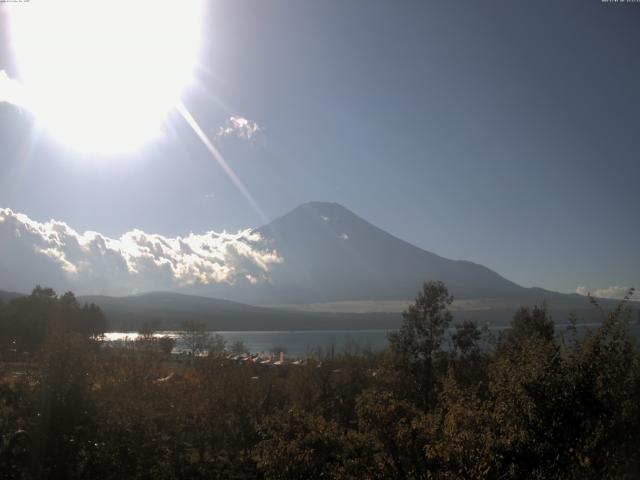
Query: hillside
[{"x": 169, "y": 309}]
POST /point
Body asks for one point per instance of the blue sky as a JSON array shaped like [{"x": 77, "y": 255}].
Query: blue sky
[{"x": 506, "y": 133}]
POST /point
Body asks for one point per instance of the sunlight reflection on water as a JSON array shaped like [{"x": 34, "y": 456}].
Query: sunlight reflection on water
[{"x": 303, "y": 342}]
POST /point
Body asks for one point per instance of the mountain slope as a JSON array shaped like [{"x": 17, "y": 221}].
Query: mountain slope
[
  {"x": 331, "y": 254},
  {"x": 8, "y": 296},
  {"x": 168, "y": 310}
]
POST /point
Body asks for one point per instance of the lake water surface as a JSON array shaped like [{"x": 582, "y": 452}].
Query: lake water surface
[
  {"x": 305, "y": 342},
  {"x": 295, "y": 343}
]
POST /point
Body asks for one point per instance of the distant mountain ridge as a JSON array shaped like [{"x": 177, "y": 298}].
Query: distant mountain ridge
[
  {"x": 168, "y": 310},
  {"x": 337, "y": 271},
  {"x": 8, "y": 296},
  {"x": 331, "y": 256}
]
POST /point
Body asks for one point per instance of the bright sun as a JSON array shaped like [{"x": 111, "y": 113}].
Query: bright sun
[{"x": 100, "y": 75}]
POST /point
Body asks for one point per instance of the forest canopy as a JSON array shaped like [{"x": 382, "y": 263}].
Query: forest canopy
[
  {"x": 26, "y": 321},
  {"x": 445, "y": 400}
]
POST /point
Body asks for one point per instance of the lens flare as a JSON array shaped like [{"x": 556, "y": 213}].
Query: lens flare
[{"x": 101, "y": 76}]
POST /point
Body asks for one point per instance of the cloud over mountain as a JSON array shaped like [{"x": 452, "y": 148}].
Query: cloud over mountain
[
  {"x": 614, "y": 292},
  {"x": 54, "y": 254}
]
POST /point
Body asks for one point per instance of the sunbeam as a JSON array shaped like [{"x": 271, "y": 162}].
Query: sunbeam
[{"x": 215, "y": 153}]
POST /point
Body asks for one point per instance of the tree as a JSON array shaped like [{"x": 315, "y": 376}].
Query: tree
[
  {"x": 147, "y": 329},
  {"x": 470, "y": 353},
  {"x": 466, "y": 338},
  {"x": 95, "y": 323},
  {"x": 424, "y": 323},
  {"x": 26, "y": 321},
  {"x": 400, "y": 432},
  {"x": 87, "y": 319},
  {"x": 296, "y": 444},
  {"x": 239, "y": 348},
  {"x": 194, "y": 337},
  {"x": 166, "y": 344},
  {"x": 65, "y": 420},
  {"x": 529, "y": 325},
  {"x": 216, "y": 344},
  {"x": 416, "y": 348}
]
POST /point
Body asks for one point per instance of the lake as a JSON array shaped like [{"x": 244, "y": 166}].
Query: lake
[
  {"x": 303, "y": 342},
  {"x": 294, "y": 343}
]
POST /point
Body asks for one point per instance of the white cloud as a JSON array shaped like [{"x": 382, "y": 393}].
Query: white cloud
[
  {"x": 54, "y": 254},
  {"x": 614, "y": 291},
  {"x": 582, "y": 291},
  {"x": 344, "y": 236},
  {"x": 239, "y": 127}
]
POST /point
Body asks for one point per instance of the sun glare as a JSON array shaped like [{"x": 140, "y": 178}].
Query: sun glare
[{"x": 101, "y": 76}]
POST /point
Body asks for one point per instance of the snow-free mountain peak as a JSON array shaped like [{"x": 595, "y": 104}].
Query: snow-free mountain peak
[{"x": 330, "y": 254}]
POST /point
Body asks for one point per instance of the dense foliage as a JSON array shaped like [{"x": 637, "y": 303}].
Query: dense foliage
[
  {"x": 443, "y": 401},
  {"x": 26, "y": 322}
]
